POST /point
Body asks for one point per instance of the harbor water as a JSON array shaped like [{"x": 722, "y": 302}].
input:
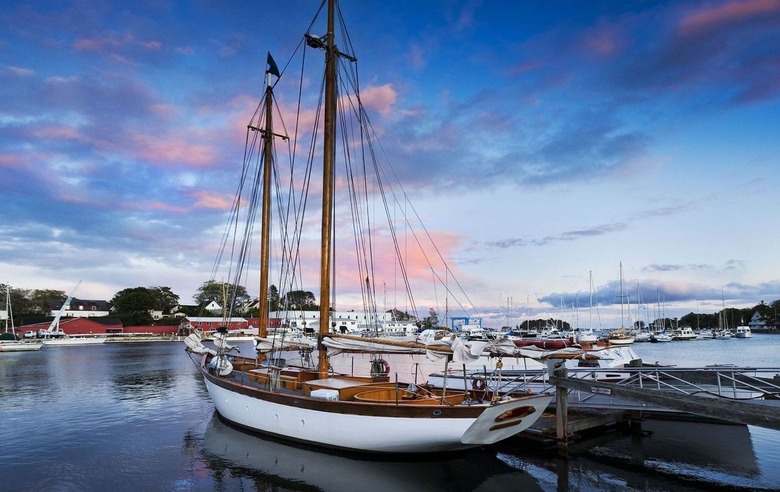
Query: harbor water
[{"x": 136, "y": 416}]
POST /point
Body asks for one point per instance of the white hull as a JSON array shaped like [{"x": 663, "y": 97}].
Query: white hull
[
  {"x": 19, "y": 346},
  {"x": 621, "y": 341},
  {"x": 386, "y": 431},
  {"x": 743, "y": 332},
  {"x": 74, "y": 341}
]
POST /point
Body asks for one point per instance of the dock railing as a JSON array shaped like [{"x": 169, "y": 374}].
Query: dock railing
[{"x": 743, "y": 395}]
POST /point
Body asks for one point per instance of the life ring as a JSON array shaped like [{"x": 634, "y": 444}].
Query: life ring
[
  {"x": 479, "y": 383},
  {"x": 379, "y": 367}
]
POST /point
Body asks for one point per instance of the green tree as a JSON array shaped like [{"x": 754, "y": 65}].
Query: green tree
[
  {"x": 166, "y": 299},
  {"x": 432, "y": 320},
  {"x": 227, "y": 295},
  {"x": 133, "y": 306},
  {"x": 300, "y": 299},
  {"x": 39, "y": 299},
  {"x": 273, "y": 298}
]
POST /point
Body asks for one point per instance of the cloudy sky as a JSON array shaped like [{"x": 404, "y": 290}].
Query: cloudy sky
[{"x": 545, "y": 140}]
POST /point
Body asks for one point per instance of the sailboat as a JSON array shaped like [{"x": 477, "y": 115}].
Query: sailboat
[
  {"x": 9, "y": 342},
  {"x": 54, "y": 335},
  {"x": 621, "y": 336},
  {"x": 309, "y": 402},
  {"x": 723, "y": 332}
]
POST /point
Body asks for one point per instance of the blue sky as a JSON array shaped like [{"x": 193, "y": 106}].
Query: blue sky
[{"x": 546, "y": 140}]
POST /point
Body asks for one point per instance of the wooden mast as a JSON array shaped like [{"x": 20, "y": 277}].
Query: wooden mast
[
  {"x": 327, "y": 184},
  {"x": 265, "y": 213}
]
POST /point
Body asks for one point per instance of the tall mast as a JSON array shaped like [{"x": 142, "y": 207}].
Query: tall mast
[
  {"x": 327, "y": 183},
  {"x": 622, "y": 324},
  {"x": 265, "y": 213}
]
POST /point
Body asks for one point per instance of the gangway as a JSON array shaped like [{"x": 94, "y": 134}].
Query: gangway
[{"x": 742, "y": 395}]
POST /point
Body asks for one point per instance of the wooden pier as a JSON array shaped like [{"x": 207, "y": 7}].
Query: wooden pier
[{"x": 747, "y": 396}]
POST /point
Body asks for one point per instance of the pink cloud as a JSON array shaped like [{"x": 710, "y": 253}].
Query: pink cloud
[
  {"x": 113, "y": 41},
  {"x": 167, "y": 207},
  {"x": 418, "y": 263},
  {"x": 206, "y": 199},
  {"x": 11, "y": 161},
  {"x": 603, "y": 41},
  {"x": 63, "y": 132},
  {"x": 88, "y": 45},
  {"x": 380, "y": 98},
  {"x": 165, "y": 110},
  {"x": 170, "y": 149},
  {"x": 726, "y": 14}
]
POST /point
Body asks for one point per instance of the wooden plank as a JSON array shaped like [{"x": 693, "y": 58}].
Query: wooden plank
[{"x": 718, "y": 408}]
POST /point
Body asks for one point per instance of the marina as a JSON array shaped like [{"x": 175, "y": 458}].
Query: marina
[
  {"x": 377, "y": 218},
  {"x": 135, "y": 416}
]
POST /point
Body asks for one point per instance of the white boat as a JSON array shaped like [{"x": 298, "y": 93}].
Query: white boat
[
  {"x": 723, "y": 332},
  {"x": 683, "y": 334},
  {"x": 605, "y": 363},
  {"x": 70, "y": 341},
  {"x": 660, "y": 337},
  {"x": 705, "y": 335},
  {"x": 743, "y": 331},
  {"x": 9, "y": 341},
  {"x": 378, "y": 411},
  {"x": 642, "y": 336},
  {"x": 621, "y": 336},
  {"x": 585, "y": 336},
  {"x": 55, "y": 336}
]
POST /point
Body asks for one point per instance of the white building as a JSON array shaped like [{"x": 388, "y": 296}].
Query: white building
[
  {"x": 348, "y": 322},
  {"x": 756, "y": 323}
]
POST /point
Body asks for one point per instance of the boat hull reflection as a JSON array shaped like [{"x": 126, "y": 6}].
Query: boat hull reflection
[{"x": 254, "y": 458}]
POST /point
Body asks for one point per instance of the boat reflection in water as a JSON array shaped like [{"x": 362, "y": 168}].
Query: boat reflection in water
[
  {"x": 236, "y": 458},
  {"x": 665, "y": 455},
  {"x": 707, "y": 451}
]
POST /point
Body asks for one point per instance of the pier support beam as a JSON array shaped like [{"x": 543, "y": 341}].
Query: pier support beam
[{"x": 558, "y": 370}]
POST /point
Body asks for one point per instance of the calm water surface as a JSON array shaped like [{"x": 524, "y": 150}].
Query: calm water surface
[{"x": 137, "y": 417}]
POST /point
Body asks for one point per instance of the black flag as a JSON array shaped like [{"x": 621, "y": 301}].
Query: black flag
[{"x": 272, "y": 68}]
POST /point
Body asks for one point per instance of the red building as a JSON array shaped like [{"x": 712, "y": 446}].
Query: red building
[{"x": 81, "y": 326}]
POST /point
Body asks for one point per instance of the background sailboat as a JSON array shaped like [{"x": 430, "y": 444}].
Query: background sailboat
[
  {"x": 9, "y": 341},
  {"x": 54, "y": 335}
]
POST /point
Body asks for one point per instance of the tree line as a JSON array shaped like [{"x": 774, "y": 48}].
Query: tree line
[{"x": 133, "y": 306}]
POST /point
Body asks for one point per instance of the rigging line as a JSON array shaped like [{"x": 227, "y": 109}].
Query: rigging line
[
  {"x": 400, "y": 263},
  {"x": 427, "y": 233},
  {"x": 362, "y": 246}
]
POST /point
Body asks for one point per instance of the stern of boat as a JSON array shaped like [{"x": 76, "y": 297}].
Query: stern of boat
[{"x": 506, "y": 419}]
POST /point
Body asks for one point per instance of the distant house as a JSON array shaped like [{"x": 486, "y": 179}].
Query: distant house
[
  {"x": 756, "y": 323},
  {"x": 171, "y": 312},
  {"x": 79, "y": 308},
  {"x": 212, "y": 307}
]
